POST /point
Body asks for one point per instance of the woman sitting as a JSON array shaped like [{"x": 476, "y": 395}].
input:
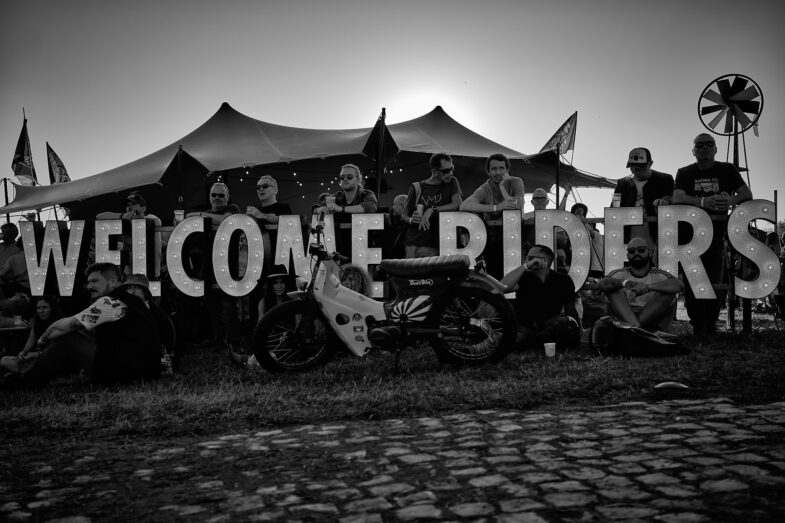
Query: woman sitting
[{"x": 46, "y": 312}]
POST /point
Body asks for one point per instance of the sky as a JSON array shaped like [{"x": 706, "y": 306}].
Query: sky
[{"x": 106, "y": 83}]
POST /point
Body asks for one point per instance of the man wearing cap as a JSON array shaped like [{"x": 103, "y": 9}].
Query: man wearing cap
[
  {"x": 715, "y": 187},
  {"x": 115, "y": 339},
  {"x": 640, "y": 294},
  {"x": 136, "y": 209},
  {"x": 539, "y": 201},
  {"x": 645, "y": 188},
  {"x": 139, "y": 286},
  {"x": 499, "y": 193},
  {"x": 440, "y": 192},
  {"x": 270, "y": 208}
]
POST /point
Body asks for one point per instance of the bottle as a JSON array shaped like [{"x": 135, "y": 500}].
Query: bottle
[{"x": 616, "y": 200}]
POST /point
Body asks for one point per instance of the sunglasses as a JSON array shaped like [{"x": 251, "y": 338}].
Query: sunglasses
[
  {"x": 540, "y": 198},
  {"x": 264, "y": 186},
  {"x": 446, "y": 170},
  {"x": 346, "y": 177},
  {"x": 639, "y": 250},
  {"x": 217, "y": 195},
  {"x": 699, "y": 145}
]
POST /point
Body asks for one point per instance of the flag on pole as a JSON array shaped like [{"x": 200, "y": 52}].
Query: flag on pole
[
  {"x": 22, "y": 164},
  {"x": 57, "y": 172},
  {"x": 564, "y": 137}
]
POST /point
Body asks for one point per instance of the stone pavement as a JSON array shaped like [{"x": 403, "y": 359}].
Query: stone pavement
[{"x": 674, "y": 461}]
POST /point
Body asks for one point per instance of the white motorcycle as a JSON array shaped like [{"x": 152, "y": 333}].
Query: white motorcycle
[{"x": 462, "y": 314}]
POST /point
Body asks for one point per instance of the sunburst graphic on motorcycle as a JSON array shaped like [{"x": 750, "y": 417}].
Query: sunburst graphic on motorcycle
[{"x": 415, "y": 308}]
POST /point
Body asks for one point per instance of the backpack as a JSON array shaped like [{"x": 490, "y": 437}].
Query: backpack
[{"x": 611, "y": 337}]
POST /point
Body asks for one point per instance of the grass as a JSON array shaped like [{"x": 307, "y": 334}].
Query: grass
[{"x": 211, "y": 395}]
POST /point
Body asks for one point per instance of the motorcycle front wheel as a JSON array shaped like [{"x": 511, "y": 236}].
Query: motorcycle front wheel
[
  {"x": 476, "y": 326},
  {"x": 280, "y": 346}
]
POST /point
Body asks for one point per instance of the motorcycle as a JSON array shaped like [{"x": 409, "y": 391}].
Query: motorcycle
[{"x": 438, "y": 301}]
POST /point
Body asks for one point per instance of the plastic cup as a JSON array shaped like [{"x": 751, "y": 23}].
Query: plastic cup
[
  {"x": 179, "y": 215},
  {"x": 550, "y": 350},
  {"x": 18, "y": 320},
  {"x": 329, "y": 199},
  {"x": 420, "y": 209}
]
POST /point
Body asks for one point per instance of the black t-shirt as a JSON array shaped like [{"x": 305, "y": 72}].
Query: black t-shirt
[
  {"x": 277, "y": 208},
  {"x": 537, "y": 300},
  {"x": 701, "y": 183}
]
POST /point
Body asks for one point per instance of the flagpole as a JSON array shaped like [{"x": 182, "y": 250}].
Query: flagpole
[{"x": 380, "y": 154}]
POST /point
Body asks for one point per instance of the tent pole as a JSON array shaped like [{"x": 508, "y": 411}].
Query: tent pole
[
  {"x": 558, "y": 169},
  {"x": 5, "y": 190},
  {"x": 380, "y": 154},
  {"x": 180, "y": 175}
]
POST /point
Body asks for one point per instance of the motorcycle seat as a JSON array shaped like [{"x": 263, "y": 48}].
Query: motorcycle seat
[{"x": 450, "y": 265}]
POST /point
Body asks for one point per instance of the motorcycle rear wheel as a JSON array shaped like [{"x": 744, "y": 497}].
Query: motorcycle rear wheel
[
  {"x": 278, "y": 346},
  {"x": 476, "y": 326}
]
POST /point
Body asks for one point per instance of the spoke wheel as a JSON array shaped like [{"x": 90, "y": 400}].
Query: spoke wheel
[
  {"x": 475, "y": 326},
  {"x": 279, "y": 346}
]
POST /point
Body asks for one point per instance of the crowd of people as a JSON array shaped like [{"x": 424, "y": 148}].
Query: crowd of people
[{"x": 124, "y": 335}]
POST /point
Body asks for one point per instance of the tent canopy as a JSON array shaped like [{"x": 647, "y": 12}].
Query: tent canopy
[{"x": 239, "y": 149}]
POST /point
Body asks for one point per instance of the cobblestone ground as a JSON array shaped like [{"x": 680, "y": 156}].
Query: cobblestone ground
[{"x": 675, "y": 461}]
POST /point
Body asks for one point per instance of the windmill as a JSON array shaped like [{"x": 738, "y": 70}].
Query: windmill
[{"x": 739, "y": 101}]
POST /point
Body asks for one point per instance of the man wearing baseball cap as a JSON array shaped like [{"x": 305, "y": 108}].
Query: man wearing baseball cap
[
  {"x": 714, "y": 187},
  {"x": 646, "y": 188},
  {"x": 136, "y": 209}
]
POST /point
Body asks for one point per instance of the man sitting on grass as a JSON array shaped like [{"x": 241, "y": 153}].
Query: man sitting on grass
[
  {"x": 639, "y": 294},
  {"x": 544, "y": 302},
  {"x": 115, "y": 339}
]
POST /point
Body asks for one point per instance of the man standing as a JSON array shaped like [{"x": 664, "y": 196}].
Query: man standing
[
  {"x": 541, "y": 295},
  {"x": 540, "y": 203},
  {"x": 640, "y": 294},
  {"x": 439, "y": 193},
  {"x": 492, "y": 198},
  {"x": 115, "y": 339},
  {"x": 270, "y": 208},
  {"x": 644, "y": 188},
  {"x": 8, "y": 246},
  {"x": 135, "y": 209},
  {"x": 222, "y": 308},
  {"x": 715, "y": 187}
]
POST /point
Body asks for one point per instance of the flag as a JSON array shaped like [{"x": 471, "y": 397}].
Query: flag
[
  {"x": 564, "y": 137},
  {"x": 22, "y": 164},
  {"x": 57, "y": 172}
]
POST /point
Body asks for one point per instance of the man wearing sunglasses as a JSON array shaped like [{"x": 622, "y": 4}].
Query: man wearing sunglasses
[
  {"x": 270, "y": 208},
  {"x": 640, "y": 294},
  {"x": 439, "y": 193},
  {"x": 715, "y": 187},
  {"x": 353, "y": 198},
  {"x": 220, "y": 208},
  {"x": 222, "y": 309},
  {"x": 544, "y": 302}
]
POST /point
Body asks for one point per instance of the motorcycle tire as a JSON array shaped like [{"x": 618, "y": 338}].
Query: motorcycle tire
[
  {"x": 278, "y": 348},
  {"x": 476, "y": 326}
]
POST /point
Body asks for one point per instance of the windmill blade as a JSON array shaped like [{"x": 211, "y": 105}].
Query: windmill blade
[
  {"x": 725, "y": 91},
  {"x": 741, "y": 117},
  {"x": 739, "y": 83},
  {"x": 717, "y": 118},
  {"x": 714, "y": 96},
  {"x": 729, "y": 123},
  {"x": 747, "y": 94},
  {"x": 712, "y": 109},
  {"x": 749, "y": 107}
]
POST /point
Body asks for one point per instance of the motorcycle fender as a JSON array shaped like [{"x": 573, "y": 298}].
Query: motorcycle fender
[{"x": 483, "y": 282}]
